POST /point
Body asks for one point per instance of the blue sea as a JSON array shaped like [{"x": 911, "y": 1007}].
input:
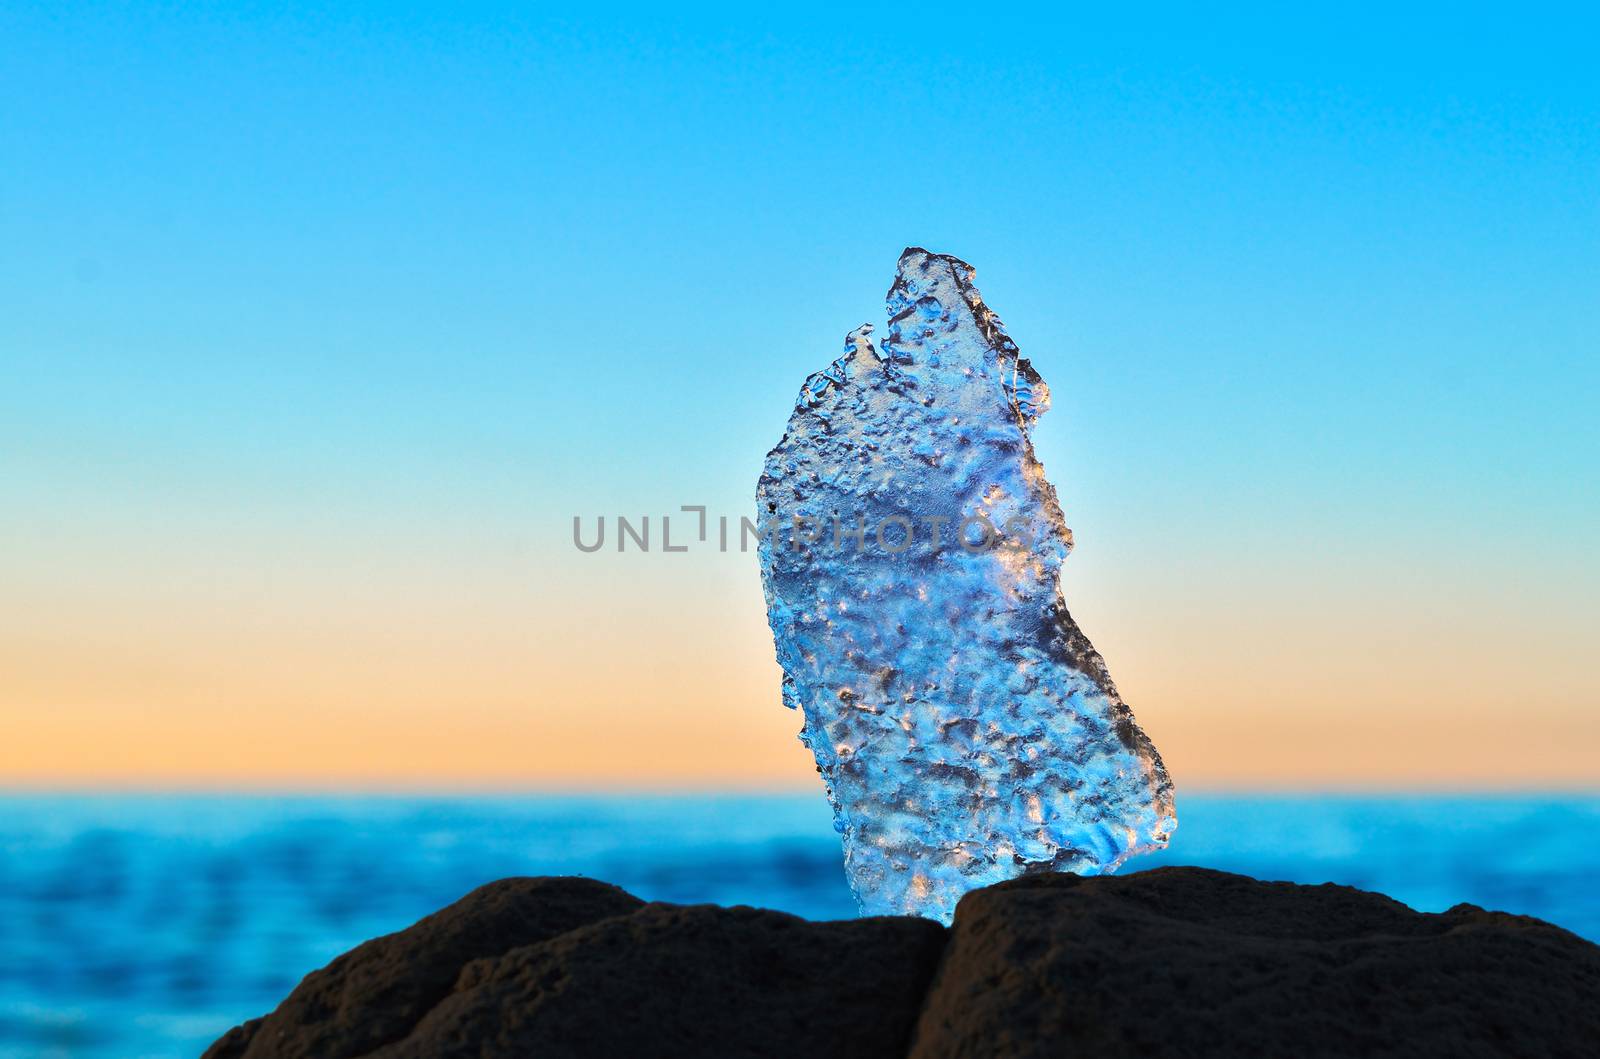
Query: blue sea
[{"x": 147, "y": 925}]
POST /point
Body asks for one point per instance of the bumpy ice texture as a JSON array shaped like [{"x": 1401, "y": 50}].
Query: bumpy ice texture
[{"x": 965, "y": 729}]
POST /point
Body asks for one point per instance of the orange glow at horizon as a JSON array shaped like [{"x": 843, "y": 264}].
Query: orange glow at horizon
[{"x": 651, "y": 676}]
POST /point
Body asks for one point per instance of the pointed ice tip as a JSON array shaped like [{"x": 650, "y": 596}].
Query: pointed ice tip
[{"x": 916, "y": 259}]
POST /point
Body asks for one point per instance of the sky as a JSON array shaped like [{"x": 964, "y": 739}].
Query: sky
[{"x": 319, "y": 323}]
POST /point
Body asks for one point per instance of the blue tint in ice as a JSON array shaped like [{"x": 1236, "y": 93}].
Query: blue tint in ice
[{"x": 965, "y": 729}]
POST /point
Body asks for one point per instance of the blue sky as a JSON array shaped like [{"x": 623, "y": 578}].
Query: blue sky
[{"x": 1315, "y": 290}]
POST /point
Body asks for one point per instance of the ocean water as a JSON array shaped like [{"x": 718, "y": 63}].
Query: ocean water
[{"x": 145, "y": 926}]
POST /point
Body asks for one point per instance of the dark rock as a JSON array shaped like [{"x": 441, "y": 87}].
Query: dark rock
[
  {"x": 692, "y": 981},
  {"x": 1171, "y": 962},
  {"x": 1190, "y": 962},
  {"x": 376, "y": 992}
]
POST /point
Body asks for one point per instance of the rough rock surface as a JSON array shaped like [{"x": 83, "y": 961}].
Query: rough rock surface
[
  {"x": 692, "y": 981},
  {"x": 1190, "y": 962},
  {"x": 1170, "y": 962},
  {"x": 376, "y": 992}
]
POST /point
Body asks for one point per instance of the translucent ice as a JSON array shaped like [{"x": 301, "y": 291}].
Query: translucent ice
[{"x": 966, "y": 730}]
